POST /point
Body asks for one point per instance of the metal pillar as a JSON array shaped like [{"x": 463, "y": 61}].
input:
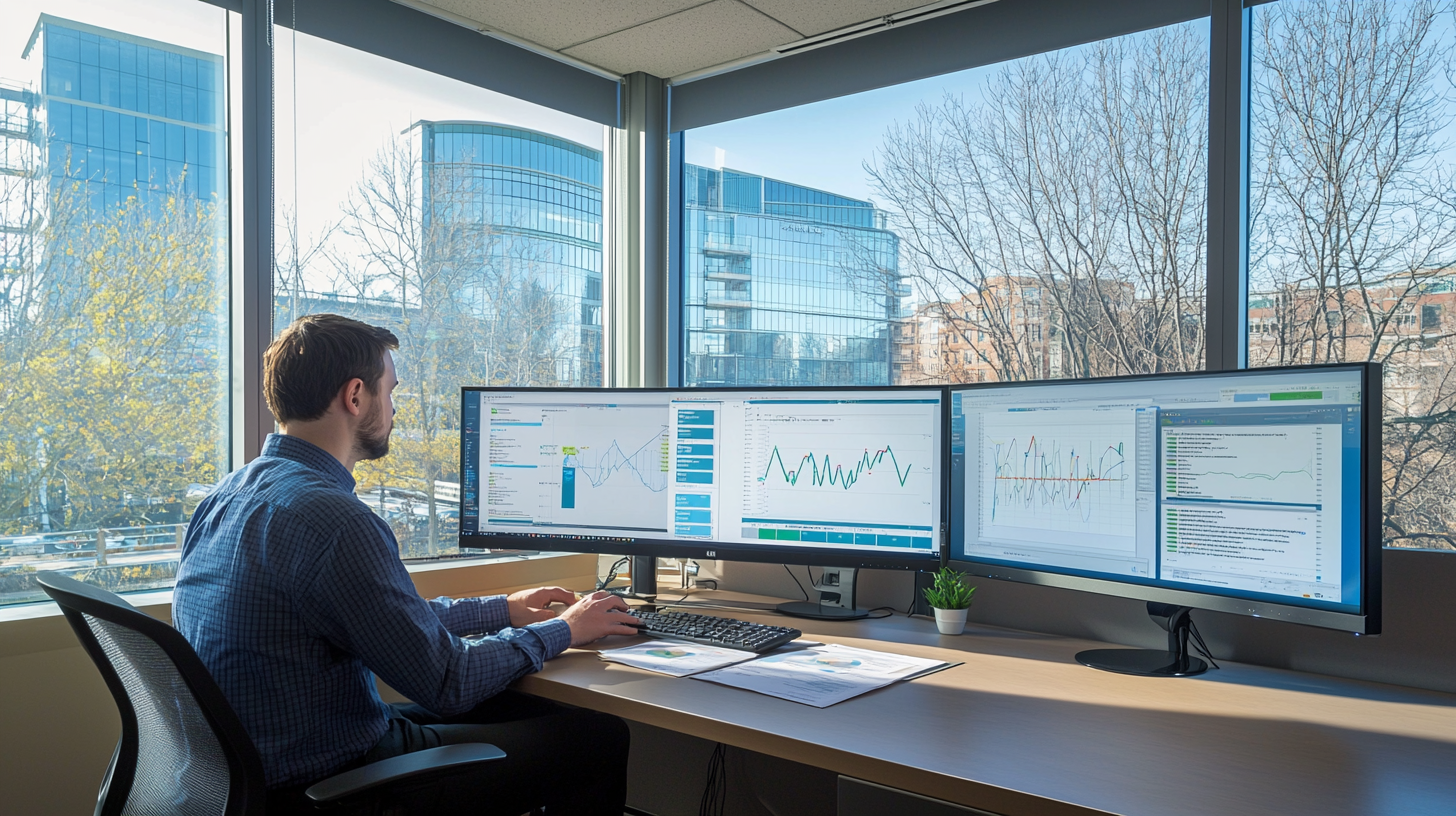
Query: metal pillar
[
  {"x": 256, "y": 282},
  {"x": 637, "y": 289},
  {"x": 1228, "y": 200}
]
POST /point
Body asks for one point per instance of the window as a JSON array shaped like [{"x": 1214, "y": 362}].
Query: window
[
  {"x": 114, "y": 263},
  {"x": 1431, "y": 317},
  {"x": 963, "y": 198},
  {"x": 467, "y": 222},
  {"x": 1352, "y": 236}
]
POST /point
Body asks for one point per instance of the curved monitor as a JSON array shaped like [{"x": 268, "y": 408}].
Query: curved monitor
[
  {"x": 1255, "y": 492},
  {"x": 847, "y": 477}
]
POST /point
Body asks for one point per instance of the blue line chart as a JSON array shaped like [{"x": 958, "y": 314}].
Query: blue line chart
[
  {"x": 1040, "y": 477},
  {"x": 644, "y": 463}
]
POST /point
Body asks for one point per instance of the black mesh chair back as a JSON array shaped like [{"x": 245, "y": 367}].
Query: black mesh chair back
[{"x": 183, "y": 751}]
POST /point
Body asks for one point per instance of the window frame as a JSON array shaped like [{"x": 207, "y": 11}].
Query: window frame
[
  {"x": 1002, "y": 32},
  {"x": 1008, "y": 30}
]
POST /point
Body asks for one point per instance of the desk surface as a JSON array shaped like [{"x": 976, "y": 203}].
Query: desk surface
[{"x": 1021, "y": 728}]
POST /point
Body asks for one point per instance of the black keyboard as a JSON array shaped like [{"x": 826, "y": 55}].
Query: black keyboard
[{"x": 714, "y": 631}]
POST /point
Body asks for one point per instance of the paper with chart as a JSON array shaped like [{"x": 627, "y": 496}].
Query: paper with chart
[
  {"x": 676, "y": 657},
  {"x": 823, "y": 675}
]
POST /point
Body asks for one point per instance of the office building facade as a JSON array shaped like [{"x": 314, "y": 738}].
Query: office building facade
[
  {"x": 1006, "y": 330},
  {"x": 20, "y": 171},
  {"x": 784, "y": 284},
  {"x": 126, "y": 116},
  {"x": 528, "y": 207}
]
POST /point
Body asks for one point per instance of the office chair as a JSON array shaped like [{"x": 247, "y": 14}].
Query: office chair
[{"x": 183, "y": 751}]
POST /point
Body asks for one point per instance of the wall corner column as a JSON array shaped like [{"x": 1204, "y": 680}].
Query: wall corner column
[
  {"x": 637, "y": 289},
  {"x": 1226, "y": 316},
  {"x": 256, "y": 293}
]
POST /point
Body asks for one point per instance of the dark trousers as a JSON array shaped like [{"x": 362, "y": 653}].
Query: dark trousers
[{"x": 567, "y": 760}]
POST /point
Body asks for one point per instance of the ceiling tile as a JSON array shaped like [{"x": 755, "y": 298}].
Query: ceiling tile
[
  {"x": 711, "y": 34},
  {"x": 561, "y": 23},
  {"x": 818, "y": 16}
]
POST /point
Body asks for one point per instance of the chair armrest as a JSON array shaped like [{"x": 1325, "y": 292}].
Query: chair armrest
[{"x": 405, "y": 766}]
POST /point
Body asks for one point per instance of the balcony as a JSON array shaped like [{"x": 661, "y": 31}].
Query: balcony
[
  {"x": 723, "y": 246},
  {"x": 728, "y": 301},
  {"x": 728, "y": 275}
]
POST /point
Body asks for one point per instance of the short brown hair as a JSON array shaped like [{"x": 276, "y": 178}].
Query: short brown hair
[{"x": 307, "y": 364}]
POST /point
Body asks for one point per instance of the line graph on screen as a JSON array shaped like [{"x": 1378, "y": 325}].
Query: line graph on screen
[
  {"x": 815, "y": 470},
  {"x": 1062, "y": 476},
  {"x": 842, "y": 462},
  {"x": 643, "y": 464}
]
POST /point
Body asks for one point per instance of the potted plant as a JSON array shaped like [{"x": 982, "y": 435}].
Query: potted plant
[{"x": 950, "y": 597}]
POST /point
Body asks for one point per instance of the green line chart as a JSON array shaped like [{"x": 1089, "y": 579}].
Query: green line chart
[
  {"x": 834, "y": 474},
  {"x": 842, "y": 463},
  {"x": 1277, "y": 464},
  {"x": 1268, "y": 477}
]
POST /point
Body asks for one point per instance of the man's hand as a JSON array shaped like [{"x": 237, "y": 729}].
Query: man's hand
[
  {"x": 529, "y": 605},
  {"x": 596, "y": 616}
]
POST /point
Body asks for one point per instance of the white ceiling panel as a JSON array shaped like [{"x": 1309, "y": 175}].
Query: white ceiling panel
[
  {"x": 700, "y": 37},
  {"x": 818, "y": 16},
  {"x": 559, "y": 24}
]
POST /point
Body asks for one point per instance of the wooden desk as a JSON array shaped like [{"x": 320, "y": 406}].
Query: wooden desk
[{"x": 1021, "y": 728}]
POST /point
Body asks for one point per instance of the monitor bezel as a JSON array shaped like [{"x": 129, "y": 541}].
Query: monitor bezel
[
  {"x": 727, "y": 551},
  {"x": 1366, "y": 621}
]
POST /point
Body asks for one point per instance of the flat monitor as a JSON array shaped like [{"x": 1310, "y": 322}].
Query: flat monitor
[
  {"x": 1254, "y": 492},
  {"x": 829, "y": 477}
]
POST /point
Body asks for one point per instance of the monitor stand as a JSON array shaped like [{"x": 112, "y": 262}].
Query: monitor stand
[
  {"x": 835, "y": 585},
  {"x": 644, "y": 580},
  {"x": 1176, "y": 662}
]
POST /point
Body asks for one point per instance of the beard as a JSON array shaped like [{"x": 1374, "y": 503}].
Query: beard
[{"x": 371, "y": 439}]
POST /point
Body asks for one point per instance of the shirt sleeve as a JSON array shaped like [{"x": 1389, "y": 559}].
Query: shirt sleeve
[
  {"x": 358, "y": 596},
  {"x": 472, "y": 616}
]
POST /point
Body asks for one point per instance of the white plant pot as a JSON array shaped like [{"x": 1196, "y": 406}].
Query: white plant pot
[{"x": 950, "y": 621}]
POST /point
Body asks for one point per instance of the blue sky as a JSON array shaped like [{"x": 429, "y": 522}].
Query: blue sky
[
  {"x": 350, "y": 103},
  {"x": 823, "y": 145}
]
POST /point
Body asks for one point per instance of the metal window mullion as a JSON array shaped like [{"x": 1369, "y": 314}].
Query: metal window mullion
[
  {"x": 677, "y": 145},
  {"x": 1228, "y": 203},
  {"x": 638, "y": 289},
  {"x": 257, "y": 189}
]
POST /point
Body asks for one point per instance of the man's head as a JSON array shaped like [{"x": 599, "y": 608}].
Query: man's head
[{"x": 328, "y": 369}]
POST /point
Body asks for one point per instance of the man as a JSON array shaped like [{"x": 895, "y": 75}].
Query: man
[{"x": 292, "y": 592}]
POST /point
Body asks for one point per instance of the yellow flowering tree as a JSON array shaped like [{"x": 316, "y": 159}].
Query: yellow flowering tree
[{"x": 112, "y": 348}]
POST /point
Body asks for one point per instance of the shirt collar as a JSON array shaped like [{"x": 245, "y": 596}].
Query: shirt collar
[{"x": 307, "y": 453}]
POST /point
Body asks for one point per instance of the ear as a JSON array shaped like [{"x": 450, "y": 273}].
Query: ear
[{"x": 351, "y": 397}]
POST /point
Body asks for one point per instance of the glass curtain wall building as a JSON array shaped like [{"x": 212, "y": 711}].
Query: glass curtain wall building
[
  {"x": 527, "y": 206},
  {"x": 20, "y": 141},
  {"x": 128, "y": 115},
  {"x": 784, "y": 284}
]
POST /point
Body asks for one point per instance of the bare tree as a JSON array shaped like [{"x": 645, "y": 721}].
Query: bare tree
[
  {"x": 1353, "y": 233},
  {"x": 469, "y": 301},
  {"x": 1059, "y": 218},
  {"x": 296, "y": 257}
]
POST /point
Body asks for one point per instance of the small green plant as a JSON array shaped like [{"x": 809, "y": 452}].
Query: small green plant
[{"x": 950, "y": 590}]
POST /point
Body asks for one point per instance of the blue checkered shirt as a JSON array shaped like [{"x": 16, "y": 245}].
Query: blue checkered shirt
[{"x": 292, "y": 592}]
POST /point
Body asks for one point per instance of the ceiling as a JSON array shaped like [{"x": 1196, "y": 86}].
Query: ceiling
[{"x": 665, "y": 38}]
